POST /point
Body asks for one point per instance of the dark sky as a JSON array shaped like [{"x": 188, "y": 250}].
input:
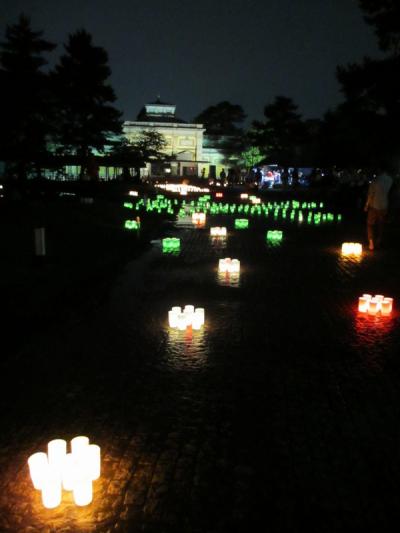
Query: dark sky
[{"x": 196, "y": 54}]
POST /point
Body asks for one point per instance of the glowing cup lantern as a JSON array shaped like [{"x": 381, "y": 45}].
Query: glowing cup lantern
[
  {"x": 241, "y": 223},
  {"x": 189, "y": 317},
  {"x": 133, "y": 193},
  {"x": 199, "y": 218},
  {"x": 73, "y": 471},
  {"x": 229, "y": 265},
  {"x": 38, "y": 466},
  {"x": 378, "y": 304},
  {"x": 132, "y": 224},
  {"x": 219, "y": 195},
  {"x": 274, "y": 235},
  {"x": 351, "y": 248},
  {"x": 171, "y": 244},
  {"x": 218, "y": 231},
  {"x": 244, "y": 196}
]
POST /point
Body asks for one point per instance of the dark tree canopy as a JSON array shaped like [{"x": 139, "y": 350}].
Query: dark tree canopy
[
  {"x": 384, "y": 15},
  {"x": 25, "y": 113},
  {"x": 281, "y": 133},
  {"x": 86, "y": 116},
  {"x": 371, "y": 113},
  {"x": 223, "y": 118}
]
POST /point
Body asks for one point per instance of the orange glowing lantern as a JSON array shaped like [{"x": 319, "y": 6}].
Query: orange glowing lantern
[
  {"x": 352, "y": 248},
  {"x": 199, "y": 219},
  {"x": 375, "y": 305},
  {"x": 363, "y": 304},
  {"x": 219, "y": 194}
]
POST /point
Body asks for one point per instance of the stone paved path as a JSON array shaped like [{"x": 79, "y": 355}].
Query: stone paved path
[{"x": 282, "y": 415}]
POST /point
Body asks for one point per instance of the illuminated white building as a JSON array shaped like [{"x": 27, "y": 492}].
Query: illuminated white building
[{"x": 185, "y": 142}]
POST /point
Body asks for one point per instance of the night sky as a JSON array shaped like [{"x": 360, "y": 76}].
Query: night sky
[{"x": 196, "y": 54}]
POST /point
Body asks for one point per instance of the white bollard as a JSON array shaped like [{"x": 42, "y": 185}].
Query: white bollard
[{"x": 40, "y": 242}]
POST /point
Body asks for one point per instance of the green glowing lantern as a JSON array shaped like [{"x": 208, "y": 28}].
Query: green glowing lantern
[
  {"x": 171, "y": 244},
  {"x": 241, "y": 223},
  {"x": 128, "y": 205},
  {"x": 274, "y": 235},
  {"x": 132, "y": 224}
]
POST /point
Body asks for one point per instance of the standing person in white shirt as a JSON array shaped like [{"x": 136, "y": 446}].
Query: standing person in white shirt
[{"x": 376, "y": 207}]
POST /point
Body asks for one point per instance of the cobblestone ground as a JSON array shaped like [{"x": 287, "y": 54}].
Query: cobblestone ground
[{"x": 282, "y": 415}]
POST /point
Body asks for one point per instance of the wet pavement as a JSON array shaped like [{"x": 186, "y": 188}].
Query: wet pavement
[{"x": 282, "y": 414}]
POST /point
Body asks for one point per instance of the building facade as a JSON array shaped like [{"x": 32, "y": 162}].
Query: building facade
[{"x": 189, "y": 153}]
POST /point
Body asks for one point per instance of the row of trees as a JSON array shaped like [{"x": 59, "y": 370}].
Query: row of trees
[
  {"x": 66, "y": 113},
  {"x": 361, "y": 132},
  {"x": 63, "y": 115}
]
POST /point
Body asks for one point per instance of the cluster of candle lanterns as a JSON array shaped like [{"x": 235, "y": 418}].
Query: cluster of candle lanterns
[
  {"x": 199, "y": 219},
  {"x": 274, "y": 235},
  {"x": 132, "y": 224},
  {"x": 241, "y": 223},
  {"x": 374, "y": 305},
  {"x": 351, "y": 248},
  {"x": 171, "y": 244},
  {"x": 218, "y": 231},
  {"x": 187, "y": 317},
  {"x": 74, "y": 471},
  {"x": 229, "y": 265}
]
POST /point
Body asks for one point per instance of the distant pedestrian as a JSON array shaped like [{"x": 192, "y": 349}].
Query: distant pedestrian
[{"x": 376, "y": 207}]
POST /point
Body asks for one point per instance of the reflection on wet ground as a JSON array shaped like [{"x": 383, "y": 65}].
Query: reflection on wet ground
[{"x": 283, "y": 410}]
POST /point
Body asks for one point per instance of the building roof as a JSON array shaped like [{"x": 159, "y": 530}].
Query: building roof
[{"x": 159, "y": 111}]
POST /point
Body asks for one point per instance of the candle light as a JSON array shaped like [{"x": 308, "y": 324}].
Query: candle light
[
  {"x": 190, "y": 317},
  {"x": 51, "y": 488},
  {"x": 83, "y": 491},
  {"x": 79, "y": 445},
  {"x": 173, "y": 318},
  {"x": 73, "y": 471},
  {"x": 38, "y": 465},
  {"x": 218, "y": 231},
  {"x": 57, "y": 450},
  {"x": 386, "y": 306},
  {"x": 94, "y": 461},
  {"x": 69, "y": 471},
  {"x": 363, "y": 304},
  {"x": 373, "y": 306},
  {"x": 351, "y": 248}
]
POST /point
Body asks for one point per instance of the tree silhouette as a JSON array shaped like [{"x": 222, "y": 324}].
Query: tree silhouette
[
  {"x": 372, "y": 89},
  {"x": 24, "y": 107},
  {"x": 222, "y": 119},
  {"x": 280, "y": 136},
  {"x": 86, "y": 118}
]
